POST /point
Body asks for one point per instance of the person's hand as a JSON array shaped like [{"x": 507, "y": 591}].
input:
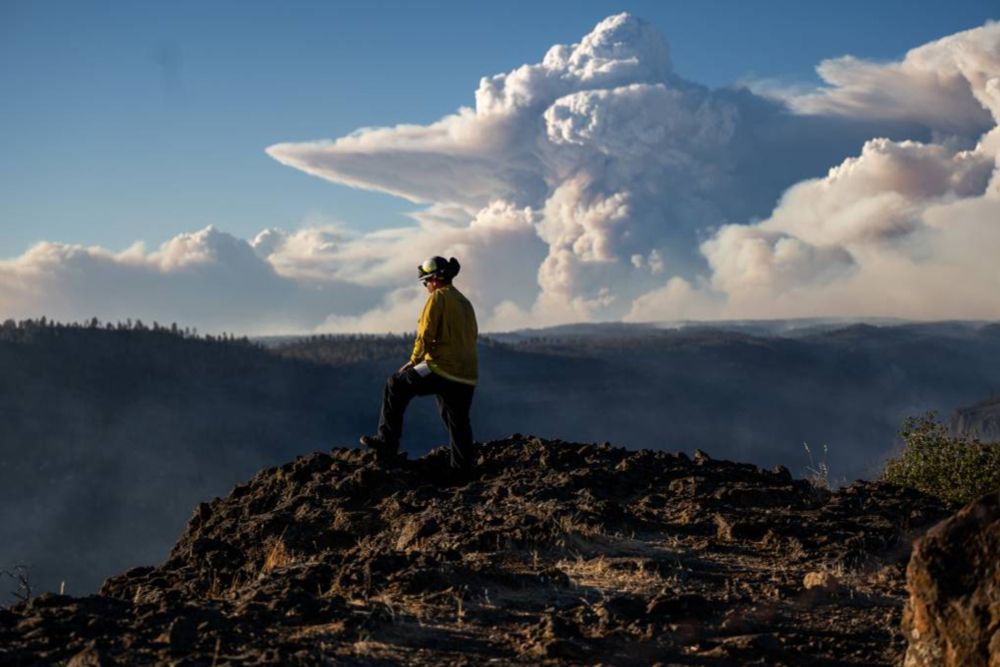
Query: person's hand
[{"x": 405, "y": 367}]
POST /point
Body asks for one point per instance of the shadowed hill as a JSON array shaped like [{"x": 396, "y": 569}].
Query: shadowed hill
[
  {"x": 558, "y": 551},
  {"x": 109, "y": 436}
]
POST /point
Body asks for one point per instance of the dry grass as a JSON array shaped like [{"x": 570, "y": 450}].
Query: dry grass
[
  {"x": 582, "y": 537},
  {"x": 325, "y": 629},
  {"x": 277, "y": 556},
  {"x": 601, "y": 574},
  {"x": 217, "y": 591},
  {"x": 372, "y": 649}
]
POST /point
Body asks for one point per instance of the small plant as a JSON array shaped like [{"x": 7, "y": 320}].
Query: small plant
[
  {"x": 956, "y": 469},
  {"x": 460, "y": 611},
  {"x": 818, "y": 473},
  {"x": 21, "y": 574}
]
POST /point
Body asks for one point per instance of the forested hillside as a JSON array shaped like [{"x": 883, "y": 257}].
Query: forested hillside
[{"x": 109, "y": 437}]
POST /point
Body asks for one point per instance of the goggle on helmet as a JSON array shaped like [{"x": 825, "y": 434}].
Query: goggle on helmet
[{"x": 432, "y": 267}]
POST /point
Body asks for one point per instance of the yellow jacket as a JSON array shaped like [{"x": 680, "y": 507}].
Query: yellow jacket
[{"x": 446, "y": 336}]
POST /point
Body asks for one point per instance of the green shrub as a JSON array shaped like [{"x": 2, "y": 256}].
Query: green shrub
[{"x": 956, "y": 469}]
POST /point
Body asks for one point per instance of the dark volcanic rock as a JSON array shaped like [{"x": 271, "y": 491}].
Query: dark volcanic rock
[
  {"x": 555, "y": 551},
  {"x": 953, "y": 614}
]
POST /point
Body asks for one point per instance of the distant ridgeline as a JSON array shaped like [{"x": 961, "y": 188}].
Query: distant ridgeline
[{"x": 111, "y": 433}]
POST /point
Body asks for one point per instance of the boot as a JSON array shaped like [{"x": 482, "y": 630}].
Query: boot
[{"x": 385, "y": 452}]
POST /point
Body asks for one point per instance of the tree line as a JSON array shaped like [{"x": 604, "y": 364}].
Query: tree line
[{"x": 12, "y": 330}]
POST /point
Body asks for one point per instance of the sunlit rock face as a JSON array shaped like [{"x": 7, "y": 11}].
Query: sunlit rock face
[{"x": 954, "y": 585}]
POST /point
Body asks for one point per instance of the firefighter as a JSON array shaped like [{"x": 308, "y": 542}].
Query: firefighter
[{"x": 444, "y": 363}]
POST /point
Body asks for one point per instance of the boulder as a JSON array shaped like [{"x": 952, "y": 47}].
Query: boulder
[
  {"x": 952, "y": 617},
  {"x": 821, "y": 580},
  {"x": 90, "y": 656}
]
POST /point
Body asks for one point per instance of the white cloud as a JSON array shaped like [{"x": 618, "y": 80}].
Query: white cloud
[
  {"x": 879, "y": 195},
  {"x": 397, "y": 313},
  {"x": 950, "y": 85},
  {"x": 600, "y": 184},
  {"x": 677, "y": 300},
  {"x": 905, "y": 230},
  {"x": 208, "y": 279},
  {"x": 750, "y": 259}
]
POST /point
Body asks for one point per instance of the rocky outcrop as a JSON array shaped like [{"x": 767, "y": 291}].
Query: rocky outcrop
[
  {"x": 952, "y": 618},
  {"x": 981, "y": 420},
  {"x": 556, "y": 553}
]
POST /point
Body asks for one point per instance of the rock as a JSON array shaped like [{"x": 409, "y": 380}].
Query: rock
[
  {"x": 48, "y": 600},
  {"x": 414, "y": 530},
  {"x": 557, "y": 627},
  {"x": 559, "y": 552},
  {"x": 730, "y": 530},
  {"x": 740, "y": 645},
  {"x": 821, "y": 580},
  {"x": 563, "y": 648},
  {"x": 782, "y": 473},
  {"x": 624, "y": 607},
  {"x": 90, "y": 656},
  {"x": 676, "y": 606},
  {"x": 180, "y": 635},
  {"x": 952, "y": 617}
]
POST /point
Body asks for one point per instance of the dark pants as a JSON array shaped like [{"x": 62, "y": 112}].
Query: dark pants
[{"x": 454, "y": 401}]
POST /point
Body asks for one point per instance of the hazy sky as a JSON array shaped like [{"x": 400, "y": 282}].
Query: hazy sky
[{"x": 128, "y": 122}]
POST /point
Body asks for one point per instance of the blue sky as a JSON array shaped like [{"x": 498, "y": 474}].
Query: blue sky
[{"x": 137, "y": 120}]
